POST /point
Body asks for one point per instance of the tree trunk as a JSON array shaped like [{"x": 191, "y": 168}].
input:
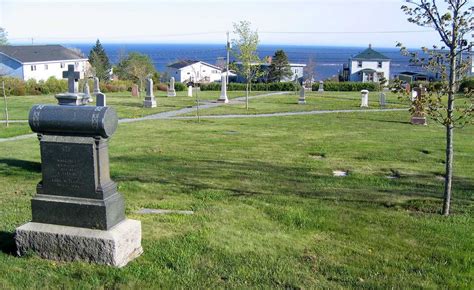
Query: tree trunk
[
  {"x": 247, "y": 97},
  {"x": 448, "y": 178}
]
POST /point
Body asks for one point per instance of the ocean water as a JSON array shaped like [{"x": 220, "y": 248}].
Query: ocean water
[{"x": 328, "y": 59}]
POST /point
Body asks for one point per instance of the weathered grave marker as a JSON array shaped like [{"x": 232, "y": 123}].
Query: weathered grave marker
[
  {"x": 149, "y": 101},
  {"x": 171, "y": 90},
  {"x": 223, "y": 97},
  {"x": 418, "y": 117}
]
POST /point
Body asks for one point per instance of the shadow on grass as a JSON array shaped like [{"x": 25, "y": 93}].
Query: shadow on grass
[
  {"x": 31, "y": 166},
  {"x": 7, "y": 243},
  {"x": 263, "y": 178}
]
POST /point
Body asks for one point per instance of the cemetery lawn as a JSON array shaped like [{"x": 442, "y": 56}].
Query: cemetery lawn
[
  {"x": 14, "y": 129},
  {"x": 314, "y": 102},
  {"x": 268, "y": 211},
  {"x": 126, "y": 105}
]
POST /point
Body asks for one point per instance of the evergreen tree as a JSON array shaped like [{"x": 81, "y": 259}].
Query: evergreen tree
[
  {"x": 280, "y": 67},
  {"x": 100, "y": 62}
]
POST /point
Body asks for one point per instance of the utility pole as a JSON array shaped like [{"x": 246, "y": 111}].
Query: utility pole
[
  {"x": 32, "y": 41},
  {"x": 228, "y": 47}
]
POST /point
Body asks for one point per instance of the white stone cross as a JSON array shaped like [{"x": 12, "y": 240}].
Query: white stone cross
[{"x": 72, "y": 79}]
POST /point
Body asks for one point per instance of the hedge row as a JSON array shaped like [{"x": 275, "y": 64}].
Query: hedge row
[
  {"x": 17, "y": 87},
  {"x": 347, "y": 86},
  {"x": 283, "y": 86}
]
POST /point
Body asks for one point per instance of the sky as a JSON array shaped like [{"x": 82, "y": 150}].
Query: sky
[{"x": 297, "y": 22}]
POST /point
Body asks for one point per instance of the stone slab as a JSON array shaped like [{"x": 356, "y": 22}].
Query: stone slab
[
  {"x": 164, "y": 211},
  {"x": 419, "y": 121},
  {"x": 115, "y": 247}
]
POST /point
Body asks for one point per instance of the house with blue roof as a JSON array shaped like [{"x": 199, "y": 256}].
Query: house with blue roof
[
  {"x": 369, "y": 66},
  {"x": 39, "y": 62}
]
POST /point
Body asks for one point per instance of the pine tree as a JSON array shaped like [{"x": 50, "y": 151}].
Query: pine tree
[
  {"x": 100, "y": 62},
  {"x": 280, "y": 67}
]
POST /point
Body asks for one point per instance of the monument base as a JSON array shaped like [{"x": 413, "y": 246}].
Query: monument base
[
  {"x": 115, "y": 247},
  {"x": 419, "y": 121},
  {"x": 149, "y": 103},
  {"x": 171, "y": 93},
  {"x": 301, "y": 102},
  {"x": 223, "y": 100}
]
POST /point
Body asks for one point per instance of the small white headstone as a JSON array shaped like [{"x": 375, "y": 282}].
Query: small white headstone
[
  {"x": 364, "y": 103},
  {"x": 414, "y": 94},
  {"x": 382, "y": 100},
  {"x": 190, "y": 91},
  {"x": 223, "y": 97}
]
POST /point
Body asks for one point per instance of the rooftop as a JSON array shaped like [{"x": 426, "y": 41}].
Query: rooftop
[
  {"x": 39, "y": 53},
  {"x": 370, "y": 54},
  {"x": 185, "y": 63}
]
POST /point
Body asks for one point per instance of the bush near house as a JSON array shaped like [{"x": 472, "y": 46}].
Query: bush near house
[
  {"x": 347, "y": 86},
  {"x": 467, "y": 85}
]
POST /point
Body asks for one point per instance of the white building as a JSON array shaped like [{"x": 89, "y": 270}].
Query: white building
[
  {"x": 369, "y": 66},
  {"x": 39, "y": 62},
  {"x": 194, "y": 71}
]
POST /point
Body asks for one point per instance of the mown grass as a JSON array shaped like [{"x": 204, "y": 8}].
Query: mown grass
[
  {"x": 314, "y": 102},
  {"x": 126, "y": 105},
  {"x": 268, "y": 212}
]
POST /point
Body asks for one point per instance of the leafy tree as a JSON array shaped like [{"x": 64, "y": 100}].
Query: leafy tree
[
  {"x": 246, "y": 53},
  {"x": 280, "y": 67},
  {"x": 451, "y": 20},
  {"x": 136, "y": 67},
  {"x": 100, "y": 62},
  {"x": 3, "y": 36}
]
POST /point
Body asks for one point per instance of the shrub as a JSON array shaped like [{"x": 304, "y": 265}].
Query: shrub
[
  {"x": 347, "y": 86},
  {"x": 467, "y": 85},
  {"x": 179, "y": 87}
]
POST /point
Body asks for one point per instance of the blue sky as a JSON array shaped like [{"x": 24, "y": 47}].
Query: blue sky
[{"x": 298, "y": 22}]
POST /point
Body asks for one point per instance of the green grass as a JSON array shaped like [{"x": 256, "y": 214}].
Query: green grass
[
  {"x": 126, "y": 105},
  {"x": 14, "y": 129},
  {"x": 268, "y": 212},
  {"x": 314, "y": 102}
]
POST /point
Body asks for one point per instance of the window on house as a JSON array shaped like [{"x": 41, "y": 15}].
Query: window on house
[
  {"x": 33, "y": 67},
  {"x": 379, "y": 64},
  {"x": 62, "y": 65},
  {"x": 76, "y": 65},
  {"x": 45, "y": 66},
  {"x": 359, "y": 63}
]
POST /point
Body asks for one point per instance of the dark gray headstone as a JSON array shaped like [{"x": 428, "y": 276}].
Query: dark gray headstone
[
  {"x": 76, "y": 189},
  {"x": 101, "y": 100}
]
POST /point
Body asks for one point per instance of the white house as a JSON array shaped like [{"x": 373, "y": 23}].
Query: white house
[
  {"x": 369, "y": 66},
  {"x": 39, "y": 62},
  {"x": 195, "y": 71}
]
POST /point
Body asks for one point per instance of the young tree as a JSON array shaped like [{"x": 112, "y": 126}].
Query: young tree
[
  {"x": 246, "y": 53},
  {"x": 136, "y": 67},
  {"x": 100, "y": 62},
  {"x": 280, "y": 67},
  {"x": 451, "y": 20},
  {"x": 3, "y": 36}
]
